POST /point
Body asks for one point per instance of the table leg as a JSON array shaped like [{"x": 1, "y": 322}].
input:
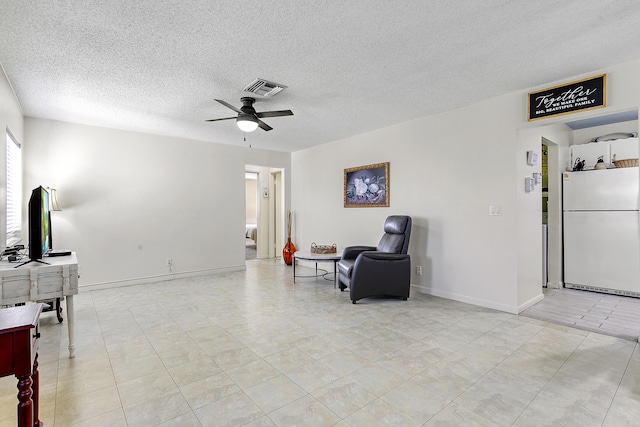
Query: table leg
[
  {"x": 70, "y": 326},
  {"x": 294, "y": 270},
  {"x": 35, "y": 386},
  {"x": 25, "y": 405},
  {"x": 335, "y": 263}
]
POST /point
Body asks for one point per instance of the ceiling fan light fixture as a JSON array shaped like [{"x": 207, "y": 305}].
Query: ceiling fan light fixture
[{"x": 247, "y": 122}]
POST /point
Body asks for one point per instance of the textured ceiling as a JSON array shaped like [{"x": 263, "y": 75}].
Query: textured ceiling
[{"x": 350, "y": 66}]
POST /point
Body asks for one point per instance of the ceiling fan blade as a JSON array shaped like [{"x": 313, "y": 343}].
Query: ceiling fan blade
[
  {"x": 266, "y": 114},
  {"x": 226, "y": 104},
  {"x": 217, "y": 120},
  {"x": 263, "y": 125}
]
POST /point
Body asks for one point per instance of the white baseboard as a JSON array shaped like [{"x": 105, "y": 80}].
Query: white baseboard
[
  {"x": 532, "y": 301},
  {"x": 466, "y": 299},
  {"x": 154, "y": 279}
]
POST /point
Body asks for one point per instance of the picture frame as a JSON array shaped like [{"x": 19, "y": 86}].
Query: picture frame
[{"x": 366, "y": 186}]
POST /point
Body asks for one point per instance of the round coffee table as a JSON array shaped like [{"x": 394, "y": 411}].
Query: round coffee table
[{"x": 309, "y": 256}]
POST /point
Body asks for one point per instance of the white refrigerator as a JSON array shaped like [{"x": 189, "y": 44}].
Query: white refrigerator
[{"x": 601, "y": 230}]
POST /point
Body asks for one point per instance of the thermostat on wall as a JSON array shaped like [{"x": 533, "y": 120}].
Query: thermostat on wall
[
  {"x": 528, "y": 184},
  {"x": 532, "y": 158}
]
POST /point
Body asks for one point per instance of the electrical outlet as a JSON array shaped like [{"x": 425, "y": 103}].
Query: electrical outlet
[
  {"x": 169, "y": 261},
  {"x": 419, "y": 270}
]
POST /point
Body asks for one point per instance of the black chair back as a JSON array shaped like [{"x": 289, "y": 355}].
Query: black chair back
[{"x": 397, "y": 231}]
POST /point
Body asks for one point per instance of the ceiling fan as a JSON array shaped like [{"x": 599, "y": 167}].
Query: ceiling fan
[{"x": 248, "y": 119}]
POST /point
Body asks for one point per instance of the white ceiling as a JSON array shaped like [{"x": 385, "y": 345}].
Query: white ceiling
[{"x": 350, "y": 66}]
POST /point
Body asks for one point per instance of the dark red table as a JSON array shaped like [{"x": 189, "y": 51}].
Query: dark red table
[{"x": 19, "y": 356}]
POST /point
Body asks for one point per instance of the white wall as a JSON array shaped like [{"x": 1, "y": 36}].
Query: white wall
[
  {"x": 132, "y": 200},
  {"x": 10, "y": 118},
  {"x": 445, "y": 172}
]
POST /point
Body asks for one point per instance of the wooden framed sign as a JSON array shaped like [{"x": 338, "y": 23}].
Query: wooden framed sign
[{"x": 568, "y": 98}]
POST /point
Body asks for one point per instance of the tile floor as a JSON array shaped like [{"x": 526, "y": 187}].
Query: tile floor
[
  {"x": 250, "y": 348},
  {"x": 607, "y": 314}
]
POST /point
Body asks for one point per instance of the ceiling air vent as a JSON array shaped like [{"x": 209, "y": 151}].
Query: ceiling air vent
[{"x": 264, "y": 87}]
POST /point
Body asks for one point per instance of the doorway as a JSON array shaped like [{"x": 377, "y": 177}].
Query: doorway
[
  {"x": 551, "y": 206},
  {"x": 267, "y": 228},
  {"x": 251, "y": 215}
]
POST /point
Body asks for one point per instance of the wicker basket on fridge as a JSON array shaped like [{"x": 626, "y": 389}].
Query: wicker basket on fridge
[{"x": 626, "y": 163}]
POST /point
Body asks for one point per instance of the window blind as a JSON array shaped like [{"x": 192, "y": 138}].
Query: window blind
[{"x": 14, "y": 190}]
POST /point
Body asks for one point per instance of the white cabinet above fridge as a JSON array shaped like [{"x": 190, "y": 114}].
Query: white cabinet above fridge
[
  {"x": 590, "y": 153},
  {"x": 617, "y": 149}
]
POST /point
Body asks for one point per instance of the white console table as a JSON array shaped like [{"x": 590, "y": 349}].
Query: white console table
[{"x": 39, "y": 282}]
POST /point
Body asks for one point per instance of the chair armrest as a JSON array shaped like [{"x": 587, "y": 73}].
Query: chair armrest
[{"x": 352, "y": 252}]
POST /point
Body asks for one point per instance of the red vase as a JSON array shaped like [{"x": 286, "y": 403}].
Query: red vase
[{"x": 288, "y": 251}]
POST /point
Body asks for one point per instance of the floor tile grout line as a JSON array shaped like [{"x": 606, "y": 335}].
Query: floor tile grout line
[
  {"x": 453, "y": 400},
  {"x": 550, "y": 378},
  {"x": 619, "y": 384}
]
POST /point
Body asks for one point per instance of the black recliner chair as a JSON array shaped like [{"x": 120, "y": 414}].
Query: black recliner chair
[{"x": 383, "y": 270}]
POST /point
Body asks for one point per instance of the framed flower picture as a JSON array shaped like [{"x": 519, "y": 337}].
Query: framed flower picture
[{"x": 366, "y": 186}]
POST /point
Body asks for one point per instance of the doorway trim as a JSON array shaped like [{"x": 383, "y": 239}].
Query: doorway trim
[{"x": 271, "y": 202}]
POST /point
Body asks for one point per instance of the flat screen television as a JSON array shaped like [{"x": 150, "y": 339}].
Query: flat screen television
[{"x": 39, "y": 224}]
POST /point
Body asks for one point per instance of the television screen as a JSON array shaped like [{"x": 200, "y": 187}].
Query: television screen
[{"x": 39, "y": 224}]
